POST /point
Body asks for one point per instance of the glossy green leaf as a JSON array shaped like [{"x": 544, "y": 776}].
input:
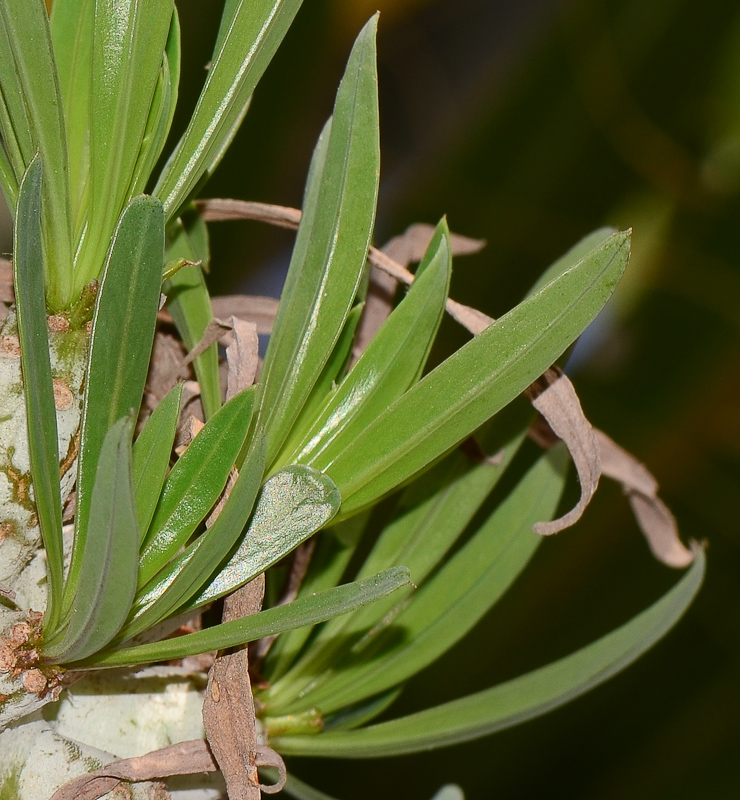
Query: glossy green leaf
[
  {"x": 128, "y": 44},
  {"x": 72, "y": 35},
  {"x": 30, "y": 86},
  {"x": 433, "y": 513},
  {"x": 28, "y": 279},
  {"x": 293, "y": 504},
  {"x": 513, "y": 702},
  {"x": 478, "y": 380},
  {"x": 195, "y": 483},
  {"x": 307, "y": 611},
  {"x": 247, "y": 47},
  {"x": 333, "y": 550},
  {"x": 359, "y": 714},
  {"x": 151, "y": 456},
  {"x": 190, "y": 304},
  {"x": 206, "y": 554},
  {"x": 330, "y": 250},
  {"x": 578, "y": 252},
  {"x": 392, "y": 362},
  {"x": 107, "y": 578},
  {"x": 123, "y": 323},
  {"x": 455, "y": 599},
  {"x": 325, "y": 386}
]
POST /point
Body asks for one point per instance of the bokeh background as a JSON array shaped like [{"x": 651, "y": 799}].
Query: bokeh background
[{"x": 529, "y": 124}]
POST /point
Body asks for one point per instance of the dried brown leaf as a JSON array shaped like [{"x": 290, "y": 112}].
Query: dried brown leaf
[
  {"x": 554, "y": 396},
  {"x": 167, "y": 368},
  {"x": 7, "y": 294},
  {"x": 214, "y": 331},
  {"x": 652, "y": 515},
  {"x": 242, "y": 356},
  {"x": 184, "y": 758},
  {"x": 259, "y": 310},
  {"x": 225, "y": 210}
]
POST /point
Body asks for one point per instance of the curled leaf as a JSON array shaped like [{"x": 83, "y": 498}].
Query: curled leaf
[
  {"x": 554, "y": 396},
  {"x": 653, "y": 516},
  {"x": 259, "y": 310}
]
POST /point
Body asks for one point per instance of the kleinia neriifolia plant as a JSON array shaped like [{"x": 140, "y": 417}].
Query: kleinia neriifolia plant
[{"x": 143, "y": 477}]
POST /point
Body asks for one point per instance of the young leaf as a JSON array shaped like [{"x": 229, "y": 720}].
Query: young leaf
[
  {"x": 30, "y": 88},
  {"x": 151, "y": 456},
  {"x": 107, "y": 577},
  {"x": 195, "y": 483},
  {"x": 294, "y": 503},
  {"x": 307, "y": 611},
  {"x": 28, "y": 279},
  {"x": 453, "y": 601},
  {"x": 392, "y": 362},
  {"x": 128, "y": 43},
  {"x": 513, "y": 702},
  {"x": 478, "y": 380},
  {"x": 331, "y": 247},
  {"x": 123, "y": 323},
  {"x": 190, "y": 305},
  {"x": 247, "y": 47}
]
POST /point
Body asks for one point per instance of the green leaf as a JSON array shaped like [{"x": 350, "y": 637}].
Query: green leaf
[
  {"x": 577, "y": 253},
  {"x": 195, "y": 483},
  {"x": 330, "y": 250},
  {"x": 28, "y": 279},
  {"x": 333, "y": 550},
  {"x": 107, "y": 578},
  {"x": 128, "y": 44},
  {"x": 72, "y": 25},
  {"x": 294, "y": 504},
  {"x": 29, "y": 84},
  {"x": 204, "y": 556},
  {"x": 307, "y": 611},
  {"x": 392, "y": 362},
  {"x": 456, "y": 598},
  {"x": 433, "y": 513},
  {"x": 478, "y": 380},
  {"x": 152, "y": 456},
  {"x": 247, "y": 47},
  {"x": 123, "y": 324},
  {"x": 190, "y": 304},
  {"x": 513, "y": 702}
]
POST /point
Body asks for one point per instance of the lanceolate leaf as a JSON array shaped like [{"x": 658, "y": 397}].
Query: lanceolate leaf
[
  {"x": 453, "y": 601},
  {"x": 478, "y": 380},
  {"x": 294, "y": 503},
  {"x": 28, "y": 269},
  {"x": 123, "y": 324},
  {"x": 30, "y": 87},
  {"x": 392, "y": 362},
  {"x": 195, "y": 483},
  {"x": 107, "y": 578},
  {"x": 151, "y": 456},
  {"x": 247, "y": 47},
  {"x": 190, "y": 304},
  {"x": 128, "y": 43},
  {"x": 331, "y": 247},
  {"x": 307, "y": 611},
  {"x": 510, "y": 703}
]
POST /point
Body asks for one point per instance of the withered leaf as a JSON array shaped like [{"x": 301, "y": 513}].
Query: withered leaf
[
  {"x": 242, "y": 356},
  {"x": 224, "y": 210},
  {"x": 652, "y": 515},
  {"x": 184, "y": 758},
  {"x": 7, "y": 294},
  {"x": 259, "y": 310}
]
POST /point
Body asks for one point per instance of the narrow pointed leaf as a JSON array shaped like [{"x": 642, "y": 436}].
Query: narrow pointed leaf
[
  {"x": 28, "y": 274},
  {"x": 151, "y": 456},
  {"x": 195, "y": 483},
  {"x": 307, "y": 611},
  {"x": 294, "y": 504},
  {"x": 455, "y": 599},
  {"x": 30, "y": 86},
  {"x": 331, "y": 247},
  {"x": 392, "y": 362},
  {"x": 510, "y": 703},
  {"x": 123, "y": 324},
  {"x": 190, "y": 304},
  {"x": 478, "y": 380},
  {"x": 107, "y": 579},
  {"x": 247, "y": 47}
]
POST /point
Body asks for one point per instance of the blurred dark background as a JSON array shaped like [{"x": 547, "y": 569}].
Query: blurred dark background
[{"x": 530, "y": 124}]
